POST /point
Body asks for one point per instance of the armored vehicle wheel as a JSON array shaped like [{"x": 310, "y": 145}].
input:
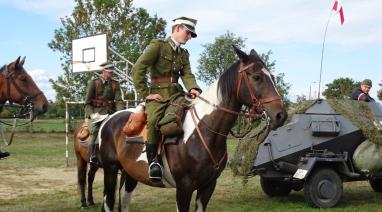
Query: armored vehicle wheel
[
  {"x": 376, "y": 184},
  {"x": 323, "y": 188},
  {"x": 275, "y": 188}
]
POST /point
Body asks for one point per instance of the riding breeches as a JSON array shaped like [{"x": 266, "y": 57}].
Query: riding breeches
[
  {"x": 154, "y": 111},
  {"x": 94, "y": 129}
]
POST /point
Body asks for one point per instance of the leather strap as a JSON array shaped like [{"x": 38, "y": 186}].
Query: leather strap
[{"x": 165, "y": 79}]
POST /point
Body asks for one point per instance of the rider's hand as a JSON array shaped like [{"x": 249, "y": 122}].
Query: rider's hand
[
  {"x": 155, "y": 97},
  {"x": 94, "y": 116},
  {"x": 194, "y": 93}
]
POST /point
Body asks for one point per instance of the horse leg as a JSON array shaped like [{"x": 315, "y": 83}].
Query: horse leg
[
  {"x": 203, "y": 196},
  {"x": 110, "y": 181},
  {"x": 127, "y": 186},
  {"x": 183, "y": 197},
  {"x": 81, "y": 177},
  {"x": 91, "y": 174}
]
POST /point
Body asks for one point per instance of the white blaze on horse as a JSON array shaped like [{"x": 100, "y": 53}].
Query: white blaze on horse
[{"x": 196, "y": 160}]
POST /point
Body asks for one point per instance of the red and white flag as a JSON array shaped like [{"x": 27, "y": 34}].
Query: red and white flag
[{"x": 338, "y": 8}]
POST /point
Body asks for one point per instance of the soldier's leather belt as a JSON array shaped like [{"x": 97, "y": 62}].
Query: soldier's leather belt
[
  {"x": 164, "y": 80},
  {"x": 101, "y": 103}
]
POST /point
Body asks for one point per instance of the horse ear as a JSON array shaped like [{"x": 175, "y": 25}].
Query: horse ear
[
  {"x": 22, "y": 61},
  {"x": 242, "y": 55},
  {"x": 17, "y": 62},
  {"x": 254, "y": 53}
]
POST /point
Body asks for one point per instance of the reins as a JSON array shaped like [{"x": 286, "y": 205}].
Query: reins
[{"x": 257, "y": 105}]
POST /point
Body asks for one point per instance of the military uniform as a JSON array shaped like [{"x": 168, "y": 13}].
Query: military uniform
[
  {"x": 102, "y": 97},
  {"x": 359, "y": 94},
  {"x": 165, "y": 63}
]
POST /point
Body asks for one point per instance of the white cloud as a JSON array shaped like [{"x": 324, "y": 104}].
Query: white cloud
[
  {"x": 41, "y": 78},
  {"x": 277, "y": 21},
  {"x": 52, "y": 8}
]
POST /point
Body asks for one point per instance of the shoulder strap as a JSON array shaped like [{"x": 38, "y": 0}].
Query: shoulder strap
[
  {"x": 96, "y": 88},
  {"x": 113, "y": 87}
]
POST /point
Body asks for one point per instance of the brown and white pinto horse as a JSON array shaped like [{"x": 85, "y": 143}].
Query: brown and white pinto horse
[
  {"x": 16, "y": 86},
  {"x": 199, "y": 156}
]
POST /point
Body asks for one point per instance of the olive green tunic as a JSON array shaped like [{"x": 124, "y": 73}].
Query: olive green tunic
[
  {"x": 105, "y": 93},
  {"x": 162, "y": 58}
]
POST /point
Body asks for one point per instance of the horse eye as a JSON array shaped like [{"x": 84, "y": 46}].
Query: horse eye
[
  {"x": 256, "y": 77},
  {"x": 24, "y": 79}
]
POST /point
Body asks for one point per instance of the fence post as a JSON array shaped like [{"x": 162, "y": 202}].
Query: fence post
[{"x": 66, "y": 134}]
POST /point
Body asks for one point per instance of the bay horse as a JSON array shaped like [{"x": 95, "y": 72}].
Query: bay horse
[
  {"x": 199, "y": 156},
  {"x": 17, "y": 86},
  {"x": 81, "y": 150}
]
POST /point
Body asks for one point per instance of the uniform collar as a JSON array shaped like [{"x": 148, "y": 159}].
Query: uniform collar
[{"x": 174, "y": 45}]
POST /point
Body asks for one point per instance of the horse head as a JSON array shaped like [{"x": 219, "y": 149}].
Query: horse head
[
  {"x": 255, "y": 87},
  {"x": 18, "y": 87}
]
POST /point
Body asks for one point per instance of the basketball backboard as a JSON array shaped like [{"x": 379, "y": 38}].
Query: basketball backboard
[{"x": 88, "y": 53}]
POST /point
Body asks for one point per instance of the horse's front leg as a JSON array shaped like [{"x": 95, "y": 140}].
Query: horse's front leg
[
  {"x": 183, "y": 197},
  {"x": 110, "y": 181},
  {"x": 203, "y": 196},
  {"x": 91, "y": 174},
  {"x": 127, "y": 186}
]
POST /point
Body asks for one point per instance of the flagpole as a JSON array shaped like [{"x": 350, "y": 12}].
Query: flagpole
[{"x": 322, "y": 53}]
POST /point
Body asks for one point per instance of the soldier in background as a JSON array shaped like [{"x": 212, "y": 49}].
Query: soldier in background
[
  {"x": 103, "y": 97},
  {"x": 362, "y": 93},
  {"x": 165, "y": 61}
]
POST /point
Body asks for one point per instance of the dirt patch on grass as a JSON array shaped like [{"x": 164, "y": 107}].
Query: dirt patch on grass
[{"x": 19, "y": 182}]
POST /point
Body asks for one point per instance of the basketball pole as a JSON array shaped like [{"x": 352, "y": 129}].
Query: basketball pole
[{"x": 322, "y": 53}]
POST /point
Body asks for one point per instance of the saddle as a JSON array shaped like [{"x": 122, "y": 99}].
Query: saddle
[{"x": 170, "y": 125}]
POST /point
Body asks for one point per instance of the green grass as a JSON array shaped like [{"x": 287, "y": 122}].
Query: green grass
[
  {"x": 38, "y": 151},
  {"x": 42, "y": 125}
]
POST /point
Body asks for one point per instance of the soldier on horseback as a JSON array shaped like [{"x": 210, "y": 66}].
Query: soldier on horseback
[
  {"x": 165, "y": 61},
  {"x": 103, "y": 97}
]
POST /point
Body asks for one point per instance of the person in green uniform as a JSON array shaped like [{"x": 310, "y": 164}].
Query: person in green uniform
[
  {"x": 103, "y": 97},
  {"x": 165, "y": 61}
]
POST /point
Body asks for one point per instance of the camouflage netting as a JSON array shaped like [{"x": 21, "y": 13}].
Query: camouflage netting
[
  {"x": 246, "y": 151},
  {"x": 357, "y": 112},
  {"x": 361, "y": 116}
]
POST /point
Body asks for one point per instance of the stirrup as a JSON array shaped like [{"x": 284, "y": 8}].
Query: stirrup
[{"x": 155, "y": 175}]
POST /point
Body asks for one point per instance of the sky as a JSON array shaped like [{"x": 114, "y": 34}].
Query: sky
[{"x": 293, "y": 30}]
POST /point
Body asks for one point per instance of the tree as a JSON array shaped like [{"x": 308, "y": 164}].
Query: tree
[
  {"x": 379, "y": 92},
  {"x": 217, "y": 57},
  {"x": 340, "y": 88},
  {"x": 129, "y": 31}
]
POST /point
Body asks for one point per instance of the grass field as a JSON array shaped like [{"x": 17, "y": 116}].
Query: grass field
[{"x": 35, "y": 178}]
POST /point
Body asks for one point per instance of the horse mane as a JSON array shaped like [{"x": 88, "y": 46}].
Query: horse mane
[{"x": 227, "y": 82}]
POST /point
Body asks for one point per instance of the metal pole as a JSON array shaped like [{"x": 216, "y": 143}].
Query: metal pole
[
  {"x": 66, "y": 134},
  {"x": 322, "y": 53}
]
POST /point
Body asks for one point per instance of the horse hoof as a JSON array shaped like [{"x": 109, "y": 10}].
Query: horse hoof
[
  {"x": 91, "y": 204},
  {"x": 84, "y": 207}
]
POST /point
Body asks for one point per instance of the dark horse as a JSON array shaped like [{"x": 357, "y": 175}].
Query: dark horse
[
  {"x": 16, "y": 86},
  {"x": 199, "y": 156}
]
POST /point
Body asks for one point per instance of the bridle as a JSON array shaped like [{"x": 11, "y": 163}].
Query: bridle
[
  {"x": 257, "y": 111},
  {"x": 27, "y": 101},
  {"x": 257, "y": 104}
]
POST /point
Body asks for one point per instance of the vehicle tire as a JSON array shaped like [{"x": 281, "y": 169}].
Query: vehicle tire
[
  {"x": 323, "y": 188},
  {"x": 275, "y": 187},
  {"x": 376, "y": 184}
]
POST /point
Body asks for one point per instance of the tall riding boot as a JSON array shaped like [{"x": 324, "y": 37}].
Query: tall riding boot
[
  {"x": 3, "y": 154},
  {"x": 155, "y": 169},
  {"x": 92, "y": 157}
]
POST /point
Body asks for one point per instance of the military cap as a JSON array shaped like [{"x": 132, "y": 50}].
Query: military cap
[
  {"x": 367, "y": 82},
  {"x": 107, "y": 66},
  {"x": 189, "y": 23}
]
